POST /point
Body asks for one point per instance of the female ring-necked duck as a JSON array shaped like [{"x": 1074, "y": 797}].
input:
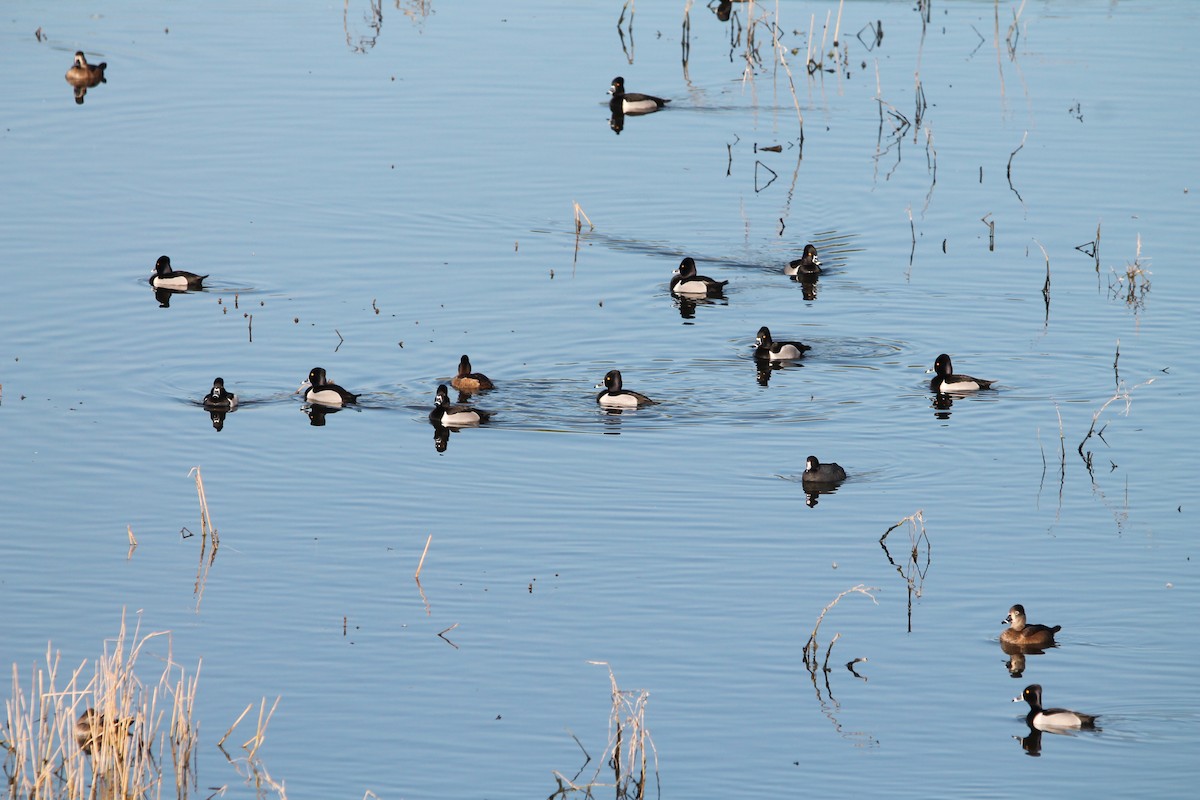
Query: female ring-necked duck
[
  {"x": 218, "y": 399},
  {"x": 807, "y": 264},
  {"x": 93, "y": 729},
  {"x": 318, "y": 389},
  {"x": 166, "y": 278},
  {"x": 1051, "y": 718},
  {"x": 1020, "y": 632},
  {"x": 446, "y": 415},
  {"x": 684, "y": 280},
  {"x": 947, "y": 381},
  {"x": 632, "y": 103},
  {"x": 467, "y": 381},
  {"x": 816, "y": 472},
  {"x": 82, "y": 73},
  {"x": 766, "y": 347},
  {"x": 614, "y": 396}
]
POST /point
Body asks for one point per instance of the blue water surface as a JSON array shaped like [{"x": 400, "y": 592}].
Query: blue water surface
[{"x": 380, "y": 200}]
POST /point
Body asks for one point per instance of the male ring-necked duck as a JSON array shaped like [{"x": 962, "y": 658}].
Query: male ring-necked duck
[
  {"x": 807, "y": 264},
  {"x": 684, "y": 280},
  {"x": 318, "y": 389},
  {"x": 82, "y": 73},
  {"x": 467, "y": 381},
  {"x": 947, "y": 381},
  {"x": 767, "y": 348},
  {"x": 166, "y": 278},
  {"x": 614, "y": 396},
  {"x": 446, "y": 415},
  {"x": 218, "y": 399},
  {"x": 1020, "y": 632},
  {"x": 1051, "y": 718},
  {"x": 816, "y": 472},
  {"x": 632, "y": 103}
]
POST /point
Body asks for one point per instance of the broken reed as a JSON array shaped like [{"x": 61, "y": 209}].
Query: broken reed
[{"x": 119, "y": 754}]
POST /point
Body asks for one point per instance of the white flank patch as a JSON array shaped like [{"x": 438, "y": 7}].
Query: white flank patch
[{"x": 618, "y": 400}]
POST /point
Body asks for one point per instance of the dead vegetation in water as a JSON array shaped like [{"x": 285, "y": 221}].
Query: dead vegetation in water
[
  {"x": 914, "y": 565},
  {"x": 109, "y": 735},
  {"x": 630, "y": 752},
  {"x": 826, "y": 700},
  {"x": 1132, "y": 283}
]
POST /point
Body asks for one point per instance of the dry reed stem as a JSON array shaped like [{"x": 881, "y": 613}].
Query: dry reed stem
[
  {"x": 421, "y": 563},
  {"x": 235, "y": 723},
  {"x": 108, "y": 752},
  {"x": 580, "y": 214},
  {"x": 811, "y": 645},
  {"x": 260, "y": 731}
]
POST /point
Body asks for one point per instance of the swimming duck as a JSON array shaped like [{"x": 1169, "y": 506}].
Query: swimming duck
[
  {"x": 317, "y": 389},
  {"x": 218, "y": 399},
  {"x": 1051, "y": 718},
  {"x": 816, "y": 472},
  {"x": 166, "y": 278},
  {"x": 446, "y": 415},
  {"x": 807, "y": 264},
  {"x": 632, "y": 103},
  {"x": 947, "y": 381},
  {"x": 82, "y": 73},
  {"x": 614, "y": 396},
  {"x": 685, "y": 281},
  {"x": 767, "y": 348},
  {"x": 467, "y": 381},
  {"x": 1021, "y": 632}
]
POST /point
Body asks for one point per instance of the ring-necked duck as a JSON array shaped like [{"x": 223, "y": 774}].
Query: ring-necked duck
[
  {"x": 816, "y": 472},
  {"x": 684, "y": 280},
  {"x": 82, "y": 73},
  {"x": 317, "y": 389},
  {"x": 807, "y": 264},
  {"x": 454, "y": 416},
  {"x": 1021, "y": 632},
  {"x": 766, "y": 347},
  {"x": 614, "y": 396},
  {"x": 632, "y": 103},
  {"x": 93, "y": 729},
  {"x": 218, "y": 399},
  {"x": 947, "y": 381},
  {"x": 467, "y": 381},
  {"x": 1051, "y": 718},
  {"x": 166, "y": 278}
]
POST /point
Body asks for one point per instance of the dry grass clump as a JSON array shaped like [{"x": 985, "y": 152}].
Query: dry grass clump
[
  {"x": 111, "y": 737},
  {"x": 1133, "y": 283},
  {"x": 629, "y": 751}
]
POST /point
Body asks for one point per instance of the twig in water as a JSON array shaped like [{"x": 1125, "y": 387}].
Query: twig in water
[
  {"x": 810, "y": 648},
  {"x": 1046, "y": 285},
  {"x": 442, "y": 635},
  {"x": 991, "y": 231},
  {"x": 421, "y": 563},
  {"x": 1008, "y": 170},
  {"x": 341, "y": 341}
]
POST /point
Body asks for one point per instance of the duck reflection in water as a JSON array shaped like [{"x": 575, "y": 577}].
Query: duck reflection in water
[
  {"x": 808, "y": 285},
  {"x": 317, "y": 413},
  {"x": 724, "y": 8},
  {"x": 941, "y": 405},
  {"x": 83, "y": 76}
]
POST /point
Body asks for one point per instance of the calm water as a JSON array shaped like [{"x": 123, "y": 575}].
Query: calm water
[{"x": 381, "y": 212}]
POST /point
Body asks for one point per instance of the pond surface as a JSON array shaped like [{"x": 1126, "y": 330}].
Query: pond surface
[{"x": 378, "y": 194}]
